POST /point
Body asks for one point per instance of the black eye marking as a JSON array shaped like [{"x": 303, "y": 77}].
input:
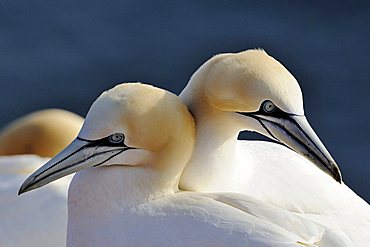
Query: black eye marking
[
  {"x": 268, "y": 107},
  {"x": 116, "y": 138}
]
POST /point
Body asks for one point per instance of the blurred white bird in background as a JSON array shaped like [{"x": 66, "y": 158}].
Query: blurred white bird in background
[
  {"x": 44, "y": 133},
  {"x": 40, "y": 218}
]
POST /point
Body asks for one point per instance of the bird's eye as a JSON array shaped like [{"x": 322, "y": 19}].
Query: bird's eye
[
  {"x": 268, "y": 106},
  {"x": 116, "y": 138}
]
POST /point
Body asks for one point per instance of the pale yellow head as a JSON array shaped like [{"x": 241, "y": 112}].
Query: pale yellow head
[
  {"x": 250, "y": 90},
  {"x": 240, "y": 82},
  {"x": 135, "y": 126},
  {"x": 44, "y": 133},
  {"x": 150, "y": 118}
]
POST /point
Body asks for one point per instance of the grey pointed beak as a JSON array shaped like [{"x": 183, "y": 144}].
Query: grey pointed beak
[
  {"x": 78, "y": 155},
  {"x": 295, "y": 132}
]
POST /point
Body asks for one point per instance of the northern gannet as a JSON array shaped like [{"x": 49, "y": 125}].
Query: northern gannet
[
  {"x": 252, "y": 91},
  {"x": 38, "y": 219},
  {"x": 44, "y": 133},
  {"x": 129, "y": 155}
]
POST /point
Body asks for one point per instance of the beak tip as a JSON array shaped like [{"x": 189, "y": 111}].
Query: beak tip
[
  {"x": 337, "y": 175},
  {"x": 26, "y": 186},
  {"x": 338, "y": 178},
  {"x": 22, "y": 190},
  {"x": 334, "y": 171}
]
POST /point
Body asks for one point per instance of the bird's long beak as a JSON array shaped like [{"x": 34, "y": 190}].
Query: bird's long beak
[
  {"x": 78, "y": 155},
  {"x": 295, "y": 132}
]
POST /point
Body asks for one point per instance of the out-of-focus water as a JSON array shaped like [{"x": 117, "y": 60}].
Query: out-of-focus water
[{"x": 64, "y": 54}]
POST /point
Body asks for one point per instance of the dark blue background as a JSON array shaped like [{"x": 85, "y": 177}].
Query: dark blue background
[{"x": 65, "y": 53}]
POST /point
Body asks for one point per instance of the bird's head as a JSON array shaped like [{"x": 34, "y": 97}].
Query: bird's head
[
  {"x": 257, "y": 93},
  {"x": 131, "y": 125}
]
